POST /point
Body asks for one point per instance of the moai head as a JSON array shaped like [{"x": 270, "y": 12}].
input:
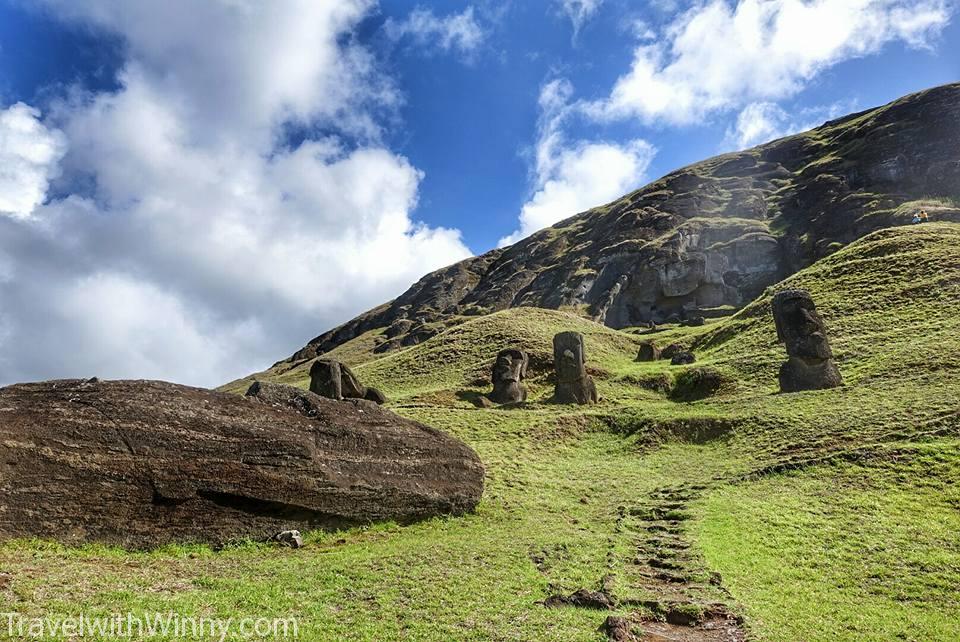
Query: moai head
[
  {"x": 810, "y": 366},
  {"x": 799, "y": 326},
  {"x": 510, "y": 366},
  {"x": 509, "y": 370},
  {"x": 325, "y": 378},
  {"x": 573, "y": 385},
  {"x": 569, "y": 357}
]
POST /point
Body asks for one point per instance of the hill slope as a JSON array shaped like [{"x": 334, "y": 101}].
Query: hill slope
[
  {"x": 711, "y": 235},
  {"x": 828, "y": 515}
]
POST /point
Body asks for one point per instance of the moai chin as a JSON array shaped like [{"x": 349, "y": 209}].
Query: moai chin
[
  {"x": 509, "y": 371},
  {"x": 574, "y": 385},
  {"x": 810, "y": 365}
]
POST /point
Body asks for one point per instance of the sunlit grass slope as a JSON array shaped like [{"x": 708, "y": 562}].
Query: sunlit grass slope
[{"x": 828, "y": 515}]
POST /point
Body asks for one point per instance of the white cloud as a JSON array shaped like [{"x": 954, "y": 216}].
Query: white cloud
[
  {"x": 459, "y": 31},
  {"x": 579, "y": 11},
  {"x": 719, "y": 56},
  {"x": 762, "y": 122},
  {"x": 573, "y": 177},
  {"x": 29, "y": 157},
  {"x": 204, "y": 245}
]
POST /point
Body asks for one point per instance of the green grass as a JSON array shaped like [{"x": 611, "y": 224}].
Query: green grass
[
  {"x": 865, "y": 550},
  {"x": 830, "y": 515}
]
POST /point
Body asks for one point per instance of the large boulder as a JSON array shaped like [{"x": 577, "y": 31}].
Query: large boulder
[{"x": 144, "y": 463}]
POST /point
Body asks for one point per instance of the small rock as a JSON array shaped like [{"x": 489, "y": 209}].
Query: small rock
[
  {"x": 581, "y": 598},
  {"x": 617, "y": 629},
  {"x": 482, "y": 401},
  {"x": 5, "y": 579},
  {"x": 695, "y": 321},
  {"x": 93, "y": 380},
  {"x": 683, "y": 359},
  {"x": 293, "y": 539}
]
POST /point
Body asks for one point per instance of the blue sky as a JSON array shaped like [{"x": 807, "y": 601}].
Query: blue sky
[{"x": 194, "y": 189}]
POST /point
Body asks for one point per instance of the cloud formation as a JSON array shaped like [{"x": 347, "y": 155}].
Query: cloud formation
[
  {"x": 458, "y": 31},
  {"x": 720, "y": 56},
  {"x": 762, "y": 122},
  {"x": 29, "y": 158},
  {"x": 579, "y": 11},
  {"x": 189, "y": 238},
  {"x": 573, "y": 177}
]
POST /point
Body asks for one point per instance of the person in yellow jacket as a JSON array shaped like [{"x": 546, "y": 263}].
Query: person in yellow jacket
[{"x": 924, "y": 217}]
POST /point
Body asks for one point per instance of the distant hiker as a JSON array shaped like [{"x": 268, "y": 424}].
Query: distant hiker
[
  {"x": 916, "y": 219},
  {"x": 924, "y": 217}
]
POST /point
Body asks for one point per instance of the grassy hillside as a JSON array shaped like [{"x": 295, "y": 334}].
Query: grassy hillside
[{"x": 827, "y": 515}]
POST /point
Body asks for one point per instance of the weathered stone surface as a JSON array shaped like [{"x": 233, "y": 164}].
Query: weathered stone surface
[
  {"x": 143, "y": 463},
  {"x": 683, "y": 358},
  {"x": 509, "y": 371},
  {"x": 800, "y": 328},
  {"x": 573, "y": 385},
  {"x": 648, "y": 352},
  {"x": 334, "y": 380}
]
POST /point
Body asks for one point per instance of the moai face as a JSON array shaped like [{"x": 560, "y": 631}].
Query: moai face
[
  {"x": 510, "y": 367},
  {"x": 799, "y": 326},
  {"x": 325, "y": 379},
  {"x": 568, "y": 354},
  {"x": 509, "y": 370}
]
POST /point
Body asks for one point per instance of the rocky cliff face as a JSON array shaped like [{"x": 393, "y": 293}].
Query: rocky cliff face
[{"x": 710, "y": 235}]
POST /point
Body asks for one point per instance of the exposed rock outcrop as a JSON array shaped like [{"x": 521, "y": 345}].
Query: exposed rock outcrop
[
  {"x": 711, "y": 235},
  {"x": 142, "y": 463}
]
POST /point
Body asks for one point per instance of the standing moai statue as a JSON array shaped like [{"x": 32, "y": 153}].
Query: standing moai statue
[
  {"x": 810, "y": 366},
  {"x": 648, "y": 352},
  {"x": 334, "y": 380},
  {"x": 574, "y": 385},
  {"x": 509, "y": 371}
]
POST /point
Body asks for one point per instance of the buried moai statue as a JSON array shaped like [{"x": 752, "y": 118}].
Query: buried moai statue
[
  {"x": 811, "y": 365},
  {"x": 574, "y": 385},
  {"x": 509, "y": 371},
  {"x": 334, "y": 380}
]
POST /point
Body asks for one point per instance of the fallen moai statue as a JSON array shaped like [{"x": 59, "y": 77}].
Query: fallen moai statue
[
  {"x": 145, "y": 463},
  {"x": 334, "y": 380},
  {"x": 573, "y": 385},
  {"x": 810, "y": 366},
  {"x": 509, "y": 371}
]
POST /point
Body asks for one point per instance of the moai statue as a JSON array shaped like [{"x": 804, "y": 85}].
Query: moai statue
[
  {"x": 332, "y": 379},
  {"x": 811, "y": 365},
  {"x": 509, "y": 371},
  {"x": 648, "y": 352},
  {"x": 574, "y": 385}
]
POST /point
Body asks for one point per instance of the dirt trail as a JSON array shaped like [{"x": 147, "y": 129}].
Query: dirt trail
[{"x": 676, "y": 597}]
